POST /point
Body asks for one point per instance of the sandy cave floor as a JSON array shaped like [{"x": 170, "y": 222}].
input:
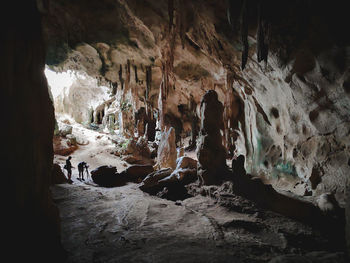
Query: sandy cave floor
[{"x": 124, "y": 224}]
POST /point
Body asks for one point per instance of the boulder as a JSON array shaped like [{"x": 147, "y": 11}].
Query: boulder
[
  {"x": 57, "y": 175},
  {"x": 181, "y": 175},
  {"x": 62, "y": 146},
  {"x": 186, "y": 162},
  {"x": 137, "y": 152},
  {"x": 107, "y": 176},
  {"x": 65, "y": 129},
  {"x": 137, "y": 160},
  {"x": 136, "y": 173},
  {"x": 185, "y": 172},
  {"x": 166, "y": 155},
  {"x": 152, "y": 180},
  {"x": 72, "y": 140}
]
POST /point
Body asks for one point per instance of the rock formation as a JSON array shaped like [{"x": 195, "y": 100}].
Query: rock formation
[
  {"x": 185, "y": 172},
  {"x": 57, "y": 175},
  {"x": 136, "y": 152},
  {"x": 136, "y": 173},
  {"x": 107, "y": 176},
  {"x": 210, "y": 152},
  {"x": 166, "y": 156}
]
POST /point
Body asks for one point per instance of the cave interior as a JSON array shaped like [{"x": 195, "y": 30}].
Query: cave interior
[{"x": 211, "y": 131}]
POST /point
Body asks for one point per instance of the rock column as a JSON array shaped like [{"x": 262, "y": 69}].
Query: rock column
[{"x": 211, "y": 153}]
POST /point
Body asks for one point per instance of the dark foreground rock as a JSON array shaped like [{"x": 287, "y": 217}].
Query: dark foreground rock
[
  {"x": 57, "y": 175},
  {"x": 107, "y": 176},
  {"x": 210, "y": 152},
  {"x": 136, "y": 173}
]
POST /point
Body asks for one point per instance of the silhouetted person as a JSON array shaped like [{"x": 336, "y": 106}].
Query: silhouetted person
[
  {"x": 81, "y": 167},
  {"x": 69, "y": 167}
]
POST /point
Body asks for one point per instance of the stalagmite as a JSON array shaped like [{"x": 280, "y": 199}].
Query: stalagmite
[
  {"x": 167, "y": 150},
  {"x": 136, "y": 77},
  {"x": 244, "y": 35},
  {"x": 211, "y": 153},
  {"x": 120, "y": 73},
  {"x": 148, "y": 81}
]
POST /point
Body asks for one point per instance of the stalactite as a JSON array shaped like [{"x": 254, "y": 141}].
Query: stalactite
[
  {"x": 121, "y": 77},
  {"x": 127, "y": 74},
  {"x": 228, "y": 14},
  {"x": 114, "y": 88},
  {"x": 148, "y": 80},
  {"x": 171, "y": 13},
  {"x": 262, "y": 35},
  {"x": 181, "y": 21},
  {"x": 128, "y": 66},
  {"x": 135, "y": 70},
  {"x": 244, "y": 34}
]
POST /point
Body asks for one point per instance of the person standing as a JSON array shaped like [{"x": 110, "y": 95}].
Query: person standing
[
  {"x": 81, "y": 167},
  {"x": 69, "y": 167}
]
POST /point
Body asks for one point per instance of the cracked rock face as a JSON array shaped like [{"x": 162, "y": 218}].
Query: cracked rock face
[{"x": 287, "y": 111}]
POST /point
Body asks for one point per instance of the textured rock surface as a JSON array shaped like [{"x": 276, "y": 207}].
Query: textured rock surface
[{"x": 166, "y": 155}]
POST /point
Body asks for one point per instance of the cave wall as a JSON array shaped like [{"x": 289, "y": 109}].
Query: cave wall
[
  {"x": 297, "y": 104},
  {"x": 30, "y": 220}
]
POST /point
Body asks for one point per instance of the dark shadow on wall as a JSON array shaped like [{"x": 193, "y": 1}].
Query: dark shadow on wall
[{"x": 30, "y": 220}]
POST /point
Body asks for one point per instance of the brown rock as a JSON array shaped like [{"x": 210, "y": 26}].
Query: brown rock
[
  {"x": 152, "y": 180},
  {"x": 137, "y": 152},
  {"x": 63, "y": 146},
  {"x": 186, "y": 162},
  {"x": 136, "y": 173},
  {"x": 166, "y": 156}
]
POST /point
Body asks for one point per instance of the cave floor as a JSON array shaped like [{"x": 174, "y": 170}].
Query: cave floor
[{"x": 124, "y": 224}]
